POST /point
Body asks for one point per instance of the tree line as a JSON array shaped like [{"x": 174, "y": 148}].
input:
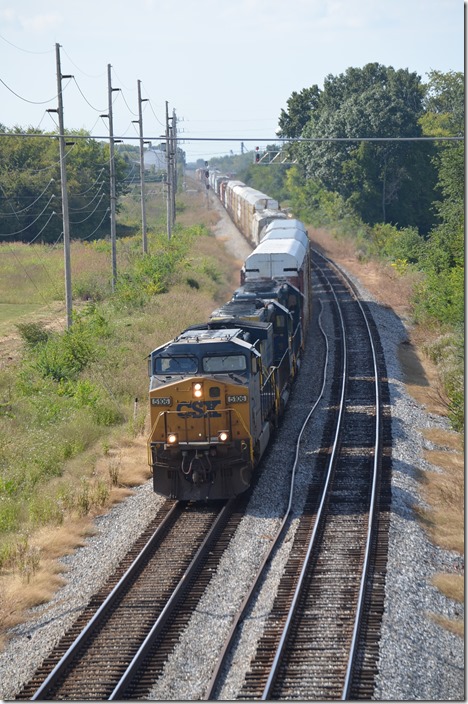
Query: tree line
[
  {"x": 402, "y": 200},
  {"x": 30, "y": 185}
]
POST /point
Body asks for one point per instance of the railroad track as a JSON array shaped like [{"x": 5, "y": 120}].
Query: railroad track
[
  {"x": 321, "y": 639},
  {"x": 314, "y": 613},
  {"x": 147, "y": 607}
]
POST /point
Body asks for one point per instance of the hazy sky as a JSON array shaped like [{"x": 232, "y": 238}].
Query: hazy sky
[{"x": 227, "y": 68}]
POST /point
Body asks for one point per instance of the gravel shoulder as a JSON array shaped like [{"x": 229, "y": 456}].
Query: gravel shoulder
[{"x": 418, "y": 658}]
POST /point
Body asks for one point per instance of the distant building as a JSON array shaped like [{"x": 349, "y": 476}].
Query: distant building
[{"x": 154, "y": 160}]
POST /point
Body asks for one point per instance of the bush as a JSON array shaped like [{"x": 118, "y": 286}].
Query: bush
[{"x": 33, "y": 333}]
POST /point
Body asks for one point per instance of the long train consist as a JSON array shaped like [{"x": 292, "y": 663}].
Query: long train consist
[{"x": 218, "y": 389}]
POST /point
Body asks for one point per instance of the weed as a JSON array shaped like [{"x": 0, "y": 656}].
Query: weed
[
  {"x": 114, "y": 468},
  {"x": 33, "y": 333}
]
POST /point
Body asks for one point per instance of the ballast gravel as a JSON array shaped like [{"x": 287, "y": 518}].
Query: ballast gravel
[{"x": 418, "y": 658}]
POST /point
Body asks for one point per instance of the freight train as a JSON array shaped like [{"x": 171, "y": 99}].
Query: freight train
[{"x": 218, "y": 390}]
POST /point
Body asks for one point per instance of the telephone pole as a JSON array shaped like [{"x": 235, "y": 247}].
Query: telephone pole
[
  {"x": 112, "y": 178},
  {"x": 142, "y": 170},
  {"x": 63, "y": 179},
  {"x": 169, "y": 175},
  {"x": 174, "y": 165}
]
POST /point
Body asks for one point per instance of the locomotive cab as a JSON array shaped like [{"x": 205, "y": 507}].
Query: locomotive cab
[{"x": 206, "y": 410}]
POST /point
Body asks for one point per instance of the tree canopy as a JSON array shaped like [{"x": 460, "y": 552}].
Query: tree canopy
[
  {"x": 30, "y": 186},
  {"x": 385, "y": 181}
]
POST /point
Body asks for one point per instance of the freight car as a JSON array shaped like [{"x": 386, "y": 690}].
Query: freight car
[
  {"x": 250, "y": 210},
  {"x": 218, "y": 390}
]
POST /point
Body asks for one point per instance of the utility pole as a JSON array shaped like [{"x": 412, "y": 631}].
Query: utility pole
[
  {"x": 112, "y": 178},
  {"x": 169, "y": 176},
  {"x": 63, "y": 178},
  {"x": 142, "y": 171},
  {"x": 174, "y": 165}
]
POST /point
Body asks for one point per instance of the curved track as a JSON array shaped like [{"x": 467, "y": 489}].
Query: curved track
[
  {"x": 311, "y": 648},
  {"x": 321, "y": 639}
]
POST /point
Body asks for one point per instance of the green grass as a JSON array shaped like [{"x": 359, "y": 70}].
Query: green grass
[
  {"x": 13, "y": 312},
  {"x": 72, "y": 392}
]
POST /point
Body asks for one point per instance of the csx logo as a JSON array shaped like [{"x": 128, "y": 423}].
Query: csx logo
[{"x": 196, "y": 409}]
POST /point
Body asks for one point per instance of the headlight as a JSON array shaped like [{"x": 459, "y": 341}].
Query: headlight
[
  {"x": 223, "y": 436},
  {"x": 172, "y": 439},
  {"x": 197, "y": 389}
]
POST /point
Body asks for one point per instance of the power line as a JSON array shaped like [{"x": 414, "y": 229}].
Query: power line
[
  {"x": 26, "y": 100},
  {"x": 86, "y": 99},
  {"x": 293, "y": 140},
  {"x": 26, "y": 51},
  {"x": 19, "y": 232}
]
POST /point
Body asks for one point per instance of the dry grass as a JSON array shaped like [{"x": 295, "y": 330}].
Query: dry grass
[
  {"x": 122, "y": 463},
  {"x": 453, "y": 586},
  {"x": 444, "y": 492},
  {"x": 16, "y": 597},
  {"x": 106, "y": 472}
]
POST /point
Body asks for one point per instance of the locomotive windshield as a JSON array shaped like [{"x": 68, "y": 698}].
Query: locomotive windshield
[
  {"x": 175, "y": 365},
  {"x": 224, "y": 364}
]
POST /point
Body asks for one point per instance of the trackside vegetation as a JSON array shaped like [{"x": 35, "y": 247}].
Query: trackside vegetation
[
  {"x": 70, "y": 391},
  {"x": 71, "y": 399}
]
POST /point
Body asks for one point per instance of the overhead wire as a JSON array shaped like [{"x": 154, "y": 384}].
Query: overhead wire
[
  {"x": 43, "y": 228},
  {"x": 26, "y": 51},
  {"x": 23, "y": 210},
  {"x": 79, "y": 222},
  {"x": 86, "y": 99},
  {"x": 26, "y": 100},
  {"x": 83, "y": 208},
  {"x": 19, "y": 232},
  {"x": 97, "y": 228},
  {"x": 88, "y": 75}
]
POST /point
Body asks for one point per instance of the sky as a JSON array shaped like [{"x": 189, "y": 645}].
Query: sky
[{"x": 227, "y": 68}]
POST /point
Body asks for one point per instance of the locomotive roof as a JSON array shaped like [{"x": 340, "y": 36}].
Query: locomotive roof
[
  {"x": 241, "y": 307},
  {"x": 200, "y": 334},
  {"x": 203, "y": 334}
]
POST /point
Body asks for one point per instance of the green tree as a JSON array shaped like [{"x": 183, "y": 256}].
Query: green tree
[
  {"x": 30, "y": 186},
  {"x": 299, "y": 112},
  {"x": 384, "y": 181}
]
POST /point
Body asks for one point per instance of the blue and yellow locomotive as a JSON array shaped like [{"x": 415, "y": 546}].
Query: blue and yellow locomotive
[{"x": 212, "y": 407}]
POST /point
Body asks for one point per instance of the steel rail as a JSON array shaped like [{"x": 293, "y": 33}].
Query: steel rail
[
  {"x": 107, "y": 604},
  {"x": 320, "y": 512},
  {"x": 377, "y": 446},
  {"x": 209, "y": 694},
  {"x": 372, "y": 503},
  {"x": 172, "y": 603}
]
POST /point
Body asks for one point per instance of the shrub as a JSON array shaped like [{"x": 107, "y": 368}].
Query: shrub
[{"x": 33, "y": 333}]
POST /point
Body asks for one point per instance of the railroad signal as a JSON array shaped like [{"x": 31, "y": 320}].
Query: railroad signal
[{"x": 257, "y": 155}]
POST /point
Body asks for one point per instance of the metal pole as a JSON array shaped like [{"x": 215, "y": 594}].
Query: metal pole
[
  {"x": 112, "y": 181},
  {"x": 63, "y": 178}
]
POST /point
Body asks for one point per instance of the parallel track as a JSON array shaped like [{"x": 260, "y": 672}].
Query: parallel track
[
  {"x": 311, "y": 648},
  {"x": 321, "y": 640},
  {"x": 97, "y": 661}
]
